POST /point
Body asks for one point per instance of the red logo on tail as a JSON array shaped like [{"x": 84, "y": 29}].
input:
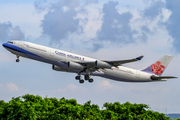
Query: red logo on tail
[{"x": 157, "y": 68}]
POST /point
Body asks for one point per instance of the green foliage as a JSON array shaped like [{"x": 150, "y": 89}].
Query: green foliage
[{"x": 32, "y": 107}]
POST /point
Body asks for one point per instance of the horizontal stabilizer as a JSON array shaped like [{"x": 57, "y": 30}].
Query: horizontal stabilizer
[{"x": 161, "y": 77}]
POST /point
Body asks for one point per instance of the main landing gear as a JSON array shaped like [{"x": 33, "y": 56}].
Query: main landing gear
[
  {"x": 79, "y": 78},
  {"x": 86, "y": 77},
  {"x": 17, "y": 60}
]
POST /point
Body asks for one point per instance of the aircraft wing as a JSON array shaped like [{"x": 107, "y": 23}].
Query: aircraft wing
[
  {"x": 120, "y": 62},
  {"x": 107, "y": 64}
]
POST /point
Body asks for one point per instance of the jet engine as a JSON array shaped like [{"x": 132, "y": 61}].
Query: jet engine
[
  {"x": 57, "y": 68},
  {"x": 75, "y": 66},
  {"x": 101, "y": 64}
]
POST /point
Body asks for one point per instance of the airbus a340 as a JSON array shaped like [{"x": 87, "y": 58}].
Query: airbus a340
[{"x": 69, "y": 62}]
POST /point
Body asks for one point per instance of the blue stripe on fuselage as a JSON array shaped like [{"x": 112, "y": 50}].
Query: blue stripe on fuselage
[
  {"x": 33, "y": 56},
  {"x": 17, "y": 49}
]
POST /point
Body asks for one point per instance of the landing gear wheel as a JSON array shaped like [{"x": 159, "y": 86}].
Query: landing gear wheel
[
  {"x": 78, "y": 77},
  {"x": 86, "y": 77},
  {"x": 91, "y": 80},
  {"x": 81, "y": 81},
  {"x": 17, "y": 60}
]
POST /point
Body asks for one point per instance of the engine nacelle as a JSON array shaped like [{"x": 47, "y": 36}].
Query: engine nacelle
[
  {"x": 75, "y": 66},
  {"x": 101, "y": 64},
  {"x": 57, "y": 68}
]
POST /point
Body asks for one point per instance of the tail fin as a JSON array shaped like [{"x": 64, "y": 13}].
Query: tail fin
[{"x": 160, "y": 65}]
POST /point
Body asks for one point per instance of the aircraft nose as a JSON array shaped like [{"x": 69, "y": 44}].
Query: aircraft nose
[{"x": 4, "y": 44}]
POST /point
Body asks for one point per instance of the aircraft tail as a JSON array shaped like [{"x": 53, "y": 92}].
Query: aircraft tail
[{"x": 160, "y": 65}]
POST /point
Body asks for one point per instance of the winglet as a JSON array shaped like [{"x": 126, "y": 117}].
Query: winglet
[{"x": 140, "y": 57}]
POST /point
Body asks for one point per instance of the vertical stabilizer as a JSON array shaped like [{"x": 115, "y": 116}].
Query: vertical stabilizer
[{"x": 159, "y": 66}]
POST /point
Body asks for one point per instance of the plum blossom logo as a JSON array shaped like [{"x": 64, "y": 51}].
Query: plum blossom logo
[{"x": 157, "y": 68}]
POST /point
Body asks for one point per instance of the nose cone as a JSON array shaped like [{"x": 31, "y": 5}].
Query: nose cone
[{"x": 4, "y": 44}]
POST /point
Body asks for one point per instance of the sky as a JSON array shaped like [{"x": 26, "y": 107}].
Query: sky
[{"x": 101, "y": 29}]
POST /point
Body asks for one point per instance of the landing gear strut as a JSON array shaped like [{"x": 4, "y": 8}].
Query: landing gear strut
[
  {"x": 86, "y": 77},
  {"x": 17, "y": 60}
]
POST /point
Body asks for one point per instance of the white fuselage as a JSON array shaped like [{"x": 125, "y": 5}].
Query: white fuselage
[{"x": 61, "y": 58}]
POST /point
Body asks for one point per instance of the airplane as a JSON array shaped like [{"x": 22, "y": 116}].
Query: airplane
[{"x": 69, "y": 62}]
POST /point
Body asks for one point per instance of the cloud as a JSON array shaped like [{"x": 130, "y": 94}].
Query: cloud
[
  {"x": 105, "y": 85},
  {"x": 17, "y": 34},
  {"x": 12, "y": 87},
  {"x": 69, "y": 88},
  {"x": 60, "y": 20},
  {"x": 97, "y": 46},
  {"x": 90, "y": 18},
  {"x": 73, "y": 87},
  {"x": 115, "y": 27},
  {"x": 9, "y": 90},
  {"x": 154, "y": 9},
  {"x": 173, "y": 26},
  {"x": 7, "y": 32},
  {"x": 40, "y": 5},
  {"x": 91, "y": 1},
  {"x": 91, "y": 25},
  {"x": 23, "y": 15},
  {"x": 168, "y": 11}
]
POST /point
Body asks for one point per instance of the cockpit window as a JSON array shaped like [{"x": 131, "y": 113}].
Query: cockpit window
[{"x": 10, "y": 42}]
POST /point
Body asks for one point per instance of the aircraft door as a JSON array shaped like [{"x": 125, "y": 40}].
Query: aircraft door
[
  {"x": 51, "y": 53},
  {"x": 137, "y": 74}
]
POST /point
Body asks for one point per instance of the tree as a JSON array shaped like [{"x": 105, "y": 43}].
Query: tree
[{"x": 37, "y": 108}]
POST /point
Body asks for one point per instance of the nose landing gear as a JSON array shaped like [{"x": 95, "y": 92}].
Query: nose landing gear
[{"x": 17, "y": 60}]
